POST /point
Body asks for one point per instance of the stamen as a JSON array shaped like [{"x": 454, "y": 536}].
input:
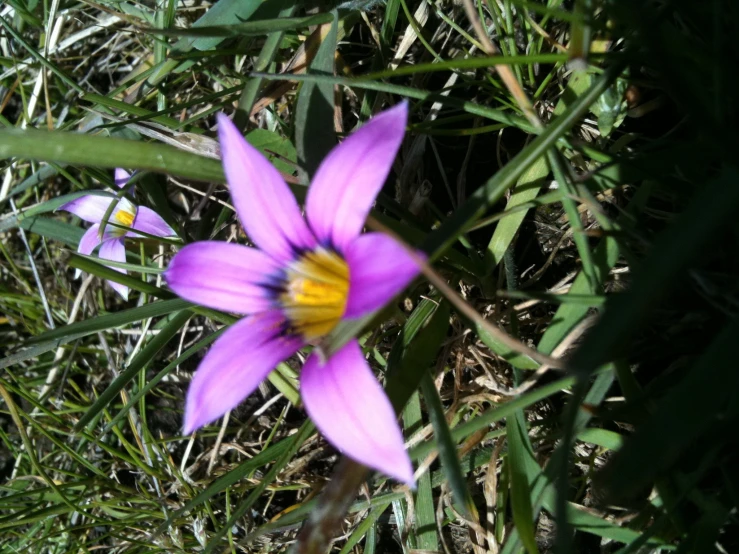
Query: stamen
[{"x": 316, "y": 289}]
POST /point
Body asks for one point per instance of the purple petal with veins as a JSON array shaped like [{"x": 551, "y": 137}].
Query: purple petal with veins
[
  {"x": 90, "y": 208},
  {"x": 121, "y": 177},
  {"x": 351, "y": 410},
  {"x": 351, "y": 176},
  {"x": 265, "y": 204},
  {"x": 115, "y": 250},
  {"x": 224, "y": 276},
  {"x": 151, "y": 223},
  {"x": 379, "y": 268},
  {"x": 235, "y": 365}
]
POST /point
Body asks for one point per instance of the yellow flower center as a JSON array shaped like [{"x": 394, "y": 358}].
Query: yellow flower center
[
  {"x": 315, "y": 294},
  {"x": 124, "y": 215},
  {"x": 125, "y": 218}
]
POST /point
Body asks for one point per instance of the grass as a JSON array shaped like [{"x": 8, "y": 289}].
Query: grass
[{"x": 564, "y": 369}]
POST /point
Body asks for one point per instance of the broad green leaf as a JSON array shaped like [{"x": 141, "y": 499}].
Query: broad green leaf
[
  {"x": 270, "y": 143},
  {"x": 223, "y": 12}
]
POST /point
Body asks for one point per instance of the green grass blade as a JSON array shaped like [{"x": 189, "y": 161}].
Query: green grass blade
[
  {"x": 314, "y": 121},
  {"x": 249, "y": 28},
  {"x": 520, "y": 454},
  {"x": 297, "y": 440},
  {"x": 223, "y": 12},
  {"x": 527, "y": 187},
  {"x": 266, "y": 56},
  {"x": 414, "y": 351},
  {"x": 424, "y": 528},
  {"x": 118, "y": 319},
  {"x": 447, "y": 447},
  {"x": 605, "y": 257},
  {"x": 142, "y": 359},
  {"x": 364, "y": 528},
  {"x": 80, "y": 149},
  {"x": 154, "y": 381},
  {"x": 495, "y": 187}
]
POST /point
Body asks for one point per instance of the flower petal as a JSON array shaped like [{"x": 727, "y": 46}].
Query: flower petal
[
  {"x": 239, "y": 360},
  {"x": 89, "y": 240},
  {"x": 121, "y": 177},
  {"x": 88, "y": 243},
  {"x": 148, "y": 221},
  {"x": 351, "y": 410},
  {"x": 90, "y": 208},
  {"x": 379, "y": 268},
  {"x": 265, "y": 205},
  {"x": 224, "y": 276},
  {"x": 351, "y": 176},
  {"x": 115, "y": 250}
]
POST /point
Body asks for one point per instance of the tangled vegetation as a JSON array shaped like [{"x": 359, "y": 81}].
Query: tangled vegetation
[{"x": 562, "y": 367}]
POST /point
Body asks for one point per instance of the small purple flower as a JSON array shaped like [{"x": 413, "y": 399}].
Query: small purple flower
[
  {"x": 296, "y": 287},
  {"x": 92, "y": 208}
]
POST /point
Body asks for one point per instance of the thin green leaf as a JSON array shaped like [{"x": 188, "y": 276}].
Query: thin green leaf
[
  {"x": 314, "y": 128},
  {"x": 266, "y": 56},
  {"x": 527, "y": 187},
  {"x": 118, "y": 319},
  {"x": 297, "y": 440},
  {"x": 447, "y": 447},
  {"x": 364, "y": 528},
  {"x": 248, "y": 28},
  {"x": 520, "y": 453},
  {"x": 142, "y": 359},
  {"x": 495, "y": 187},
  {"x": 605, "y": 256},
  {"x": 424, "y": 528},
  {"x": 81, "y": 149},
  {"x": 414, "y": 351}
]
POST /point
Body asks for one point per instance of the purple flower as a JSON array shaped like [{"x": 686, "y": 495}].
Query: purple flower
[
  {"x": 304, "y": 277},
  {"x": 92, "y": 209}
]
